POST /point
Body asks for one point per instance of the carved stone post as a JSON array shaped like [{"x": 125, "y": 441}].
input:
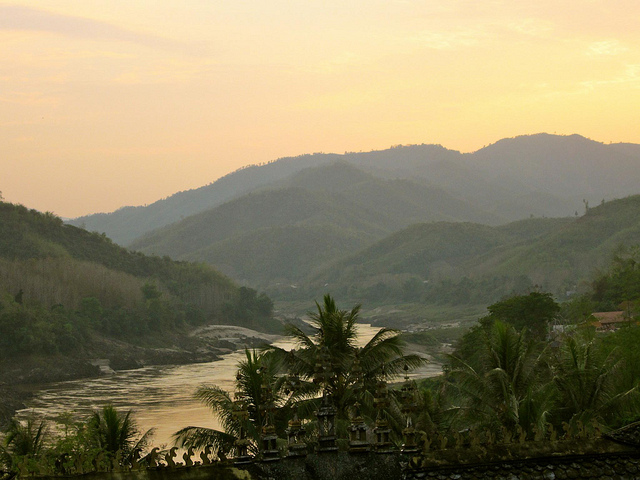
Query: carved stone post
[
  {"x": 358, "y": 433},
  {"x": 382, "y": 431},
  {"x": 327, "y": 425},
  {"x": 269, "y": 438},
  {"x": 295, "y": 434},
  {"x": 326, "y": 414},
  {"x": 241, "y": 414},
  {"x": 409, "y": 405},
  {"x": 269, "y": 447},
  {"x": 358, "y": 429}
]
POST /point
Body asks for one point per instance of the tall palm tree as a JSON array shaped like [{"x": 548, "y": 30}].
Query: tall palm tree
[
  {"x": 333, "y": 346},
  {"x": 433, "y": 412},
  {"x": 283, "y": 379},
  {"x": 505, "y": 386}
]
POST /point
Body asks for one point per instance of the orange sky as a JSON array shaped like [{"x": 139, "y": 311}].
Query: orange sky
[{"x": 105, "y": 104}]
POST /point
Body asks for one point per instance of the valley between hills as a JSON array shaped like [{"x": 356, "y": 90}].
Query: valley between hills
[{"x": 422, "y": 236}]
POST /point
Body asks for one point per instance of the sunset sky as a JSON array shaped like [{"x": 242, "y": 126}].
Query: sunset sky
[{"x": 123, "y": 102}]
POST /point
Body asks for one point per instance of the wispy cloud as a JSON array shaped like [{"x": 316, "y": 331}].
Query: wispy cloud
[
  {"x": 630, "y": 77},
  {"x": 19, "y": 18},
  {"x": 607, "y": 47}
]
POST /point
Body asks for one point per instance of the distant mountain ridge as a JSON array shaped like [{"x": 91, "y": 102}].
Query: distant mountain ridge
[
  {"x": 537, "y": 175},
  {"x": 319, "y": 213}
]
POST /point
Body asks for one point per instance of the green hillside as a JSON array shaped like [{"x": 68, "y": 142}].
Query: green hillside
[
  {"x": 414, "y": 265},
  {"x": 61, "y": 288},
  {"x": 401, "y": 201},
  {"x": 281, "y": 254},
  {"x": 259, "y": 210},
  {"x": 29, "y": 235},
  {"x": 280, "y": 235},
  {"x": 128, "y": 223},
  {"x": 470, "y": 263},
  {"x": 572, "y": 252}
]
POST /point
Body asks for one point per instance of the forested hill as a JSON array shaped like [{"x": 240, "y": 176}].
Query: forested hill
[
  {"x": 537, "y": 175},
  {"x": 61, "y": 285},
  {"x": 458, "y": 263},
  {"x": 282, "y": 233},
  {"x": 30, "y": 235}
]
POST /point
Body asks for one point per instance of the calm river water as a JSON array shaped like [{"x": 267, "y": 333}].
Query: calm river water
[{"x": 161, "y": 397}]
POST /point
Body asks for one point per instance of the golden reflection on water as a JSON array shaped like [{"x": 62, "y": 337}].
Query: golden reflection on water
[{"x": 160, "y": 396}]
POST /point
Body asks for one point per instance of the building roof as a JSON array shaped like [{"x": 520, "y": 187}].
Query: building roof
[{"x": 609, "y": 317}]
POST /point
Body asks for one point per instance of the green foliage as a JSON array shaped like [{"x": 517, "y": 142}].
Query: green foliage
[
  {"x": 590, "y": 382},
  {"x": 27, "y": 439},
  {"x": 501, "y": 386},
  {"x": 621, "y": 283},
  {"x": 260, "y": 392},
  {"x": 534, "y": 312},
  {"x": 33, "y": 328},
  {"x": 251, "y": 310},
  {"x": 502, "y": 379},
  {"x": 333, "y": 341},
  {"x": 23, "y": 443},
  {"x": 111, "y": 431},
  {"x": 623, "y": 344},
  {"x": 107, "y": 436},
  {"x": 506, "y": 371},
  {"x": 276, "y": 384},
  {"x": 59, "y": 283},
  {"x": 578, "y": 309}
]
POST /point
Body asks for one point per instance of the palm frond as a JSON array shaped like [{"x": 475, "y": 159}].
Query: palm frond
[{"x": 200, "y": 437}]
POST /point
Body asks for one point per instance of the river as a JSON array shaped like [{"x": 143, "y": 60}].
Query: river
[{"x": 160, "y": 396}]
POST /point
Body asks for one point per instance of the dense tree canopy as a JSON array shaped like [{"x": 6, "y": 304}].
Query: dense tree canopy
[{"x": 534, "y": 312}]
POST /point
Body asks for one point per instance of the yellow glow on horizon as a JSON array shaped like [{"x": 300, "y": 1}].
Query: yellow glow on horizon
[{"x": 123, "y": 103}]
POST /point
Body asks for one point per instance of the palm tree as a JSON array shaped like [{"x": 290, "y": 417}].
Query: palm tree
[
  {"x": 27, "y": 439},
  {"x": 278, "y": 383},
  {"x": 333, "y": 346},
  {"x": 589, "y": 383},
  {"x": 23, "y": 441},
  {"x": 112, "y": 431},
  {"x": 504, "y": 386},
  {"x": 261, "y": 397},
  {"x": 433, "y": 413}
]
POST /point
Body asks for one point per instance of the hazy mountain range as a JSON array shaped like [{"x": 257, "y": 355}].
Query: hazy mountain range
[
  {"x": 352, "y": 219},
  {"x": 539, "y": 174}
]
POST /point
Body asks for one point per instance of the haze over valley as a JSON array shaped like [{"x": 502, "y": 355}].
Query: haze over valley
[
  {"x": 411, "y": 223},
  {"x": 271, "y": 213}
]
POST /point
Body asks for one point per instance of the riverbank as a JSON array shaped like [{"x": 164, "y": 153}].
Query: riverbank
[
  {"x": 21, "y": 376},
  {"x": 161, "y": 394}
]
